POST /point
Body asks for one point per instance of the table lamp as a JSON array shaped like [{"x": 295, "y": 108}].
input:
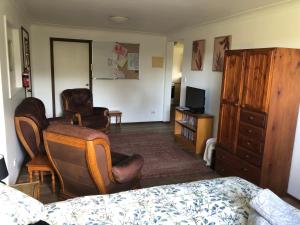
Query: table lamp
[{"x": 3, "y": 169}]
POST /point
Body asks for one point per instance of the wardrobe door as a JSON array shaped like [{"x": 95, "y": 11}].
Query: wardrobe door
[
  {"x": 230, "y": 99},
  {"x": 232, "y": 77},
  {"x": 228, "y": 127},
  {"x": 257, "y": 79}
]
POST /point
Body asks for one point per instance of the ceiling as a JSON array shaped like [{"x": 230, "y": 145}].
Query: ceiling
[{"x": 155, "y": 16}]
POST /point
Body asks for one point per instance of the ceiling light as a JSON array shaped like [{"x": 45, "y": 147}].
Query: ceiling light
[{"x": 119, "y": 19}]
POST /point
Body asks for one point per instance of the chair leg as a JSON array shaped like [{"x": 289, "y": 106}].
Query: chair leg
[
  {"x": 30, "y": 175},
  {"x": 53, "y": 181},
  {"x": 42, "y": 177}
]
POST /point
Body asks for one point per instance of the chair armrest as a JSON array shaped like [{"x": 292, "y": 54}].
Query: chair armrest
[
  {"x": 128, "y": 169},
  {"x": 101, "y": 111}
]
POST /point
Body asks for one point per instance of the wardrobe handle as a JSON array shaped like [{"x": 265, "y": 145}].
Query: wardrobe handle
[
  {"x": 244, "y": 169},
  {"x": 251, "y": 117}
]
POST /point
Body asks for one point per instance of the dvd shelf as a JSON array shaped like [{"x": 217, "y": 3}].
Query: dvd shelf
[{"x": 192, "y": 129}]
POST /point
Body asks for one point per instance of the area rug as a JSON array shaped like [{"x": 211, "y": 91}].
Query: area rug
[{"x": 165, "y": 160}]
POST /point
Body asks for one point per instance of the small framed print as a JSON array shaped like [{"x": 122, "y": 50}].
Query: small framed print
[
  {"x": 25, "y": 49},
  {"x": 197, "y": 55},
  {"x": 221, "y": 44}
]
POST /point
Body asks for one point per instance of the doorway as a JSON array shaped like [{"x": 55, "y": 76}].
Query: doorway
[
  {"x": 178, "y": 48},
  {"x": 71, "y": 61}
]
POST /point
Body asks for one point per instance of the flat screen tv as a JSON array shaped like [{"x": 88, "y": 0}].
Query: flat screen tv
[{"x": 195, "y": 99}]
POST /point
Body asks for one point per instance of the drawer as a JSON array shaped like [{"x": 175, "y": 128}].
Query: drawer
[
  {"x": 248, "y": 171},
  {"x": 250, "y": 144},
  {"x": 256, "y": 133},
  {"x": 224, "y": 156},
  {"x": 224, "y": 169},
  {"x": 253, "y": 118},
  {"x": 230, "y": 165},
  {"x": 249, "y": 157}
]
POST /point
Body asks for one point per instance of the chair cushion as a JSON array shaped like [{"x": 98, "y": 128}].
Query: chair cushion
[
  {"x": 78, "y": 100},
  {"x": 34, "y": 109},
  {"x": 18, "y": 208},
  {"x": 117, "y": 157},
  {"x": 128, "y": 169}
]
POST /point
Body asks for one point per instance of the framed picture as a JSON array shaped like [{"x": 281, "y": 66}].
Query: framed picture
[
  {"x": 197, "y": 55},
  {"x": 221, "y": 44},
  {"x": 25, "y": 50}
]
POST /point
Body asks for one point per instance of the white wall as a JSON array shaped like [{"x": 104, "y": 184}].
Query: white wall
[
  {"x": 271, "y": 27},
  {"x": 10, "y": 147},
  {"x": 139, "y": 100}
]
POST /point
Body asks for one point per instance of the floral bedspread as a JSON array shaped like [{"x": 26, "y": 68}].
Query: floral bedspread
[{"x": 218, "y": 201}]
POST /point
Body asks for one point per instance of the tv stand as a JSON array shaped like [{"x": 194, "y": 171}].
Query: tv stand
[{"x": 193, "y": 129}]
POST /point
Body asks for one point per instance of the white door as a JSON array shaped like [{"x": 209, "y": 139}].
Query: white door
[{"x": 71, "y": 68}]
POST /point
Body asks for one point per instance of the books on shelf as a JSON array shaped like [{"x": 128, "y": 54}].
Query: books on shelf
[
  {"x": 188, "y": 134},
  {"x": 189, "y": 120}
]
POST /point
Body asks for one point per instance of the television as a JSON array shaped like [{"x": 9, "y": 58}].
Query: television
[{"x": 195, "y": 99}]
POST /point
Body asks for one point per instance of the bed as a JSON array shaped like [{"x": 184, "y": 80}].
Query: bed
[{"x": 218, "y": 201}]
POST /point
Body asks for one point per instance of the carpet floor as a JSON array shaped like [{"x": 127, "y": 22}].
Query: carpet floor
[{"x": 165, "y": 160}]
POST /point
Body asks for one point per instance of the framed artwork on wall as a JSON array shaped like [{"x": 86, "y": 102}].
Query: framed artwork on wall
[
  {"x": 197, "y": 55},
  {"x": 26, "y": 76},
  {"x": 221, "y": 44}
]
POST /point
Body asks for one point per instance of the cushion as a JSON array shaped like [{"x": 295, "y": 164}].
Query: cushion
[
  {"x": 128, "y": 169},
  {"x": 275, "y": 210},
  {"x": 18, "y": 208}
]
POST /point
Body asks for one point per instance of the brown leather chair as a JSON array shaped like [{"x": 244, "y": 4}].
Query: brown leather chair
[
  {"x": 30, "y": 121},
  {"x": 85, "y": 165},
  {"x": 78, "y": 104}
]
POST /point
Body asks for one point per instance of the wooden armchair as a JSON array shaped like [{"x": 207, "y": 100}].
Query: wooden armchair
[
  {"x": 84, "y": 163},
  {"x": 78, "y": 105},
  {"x": 30, "y": 121}
]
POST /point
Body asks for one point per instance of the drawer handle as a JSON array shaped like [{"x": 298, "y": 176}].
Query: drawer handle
[
  {"x": 251, "y": 117},
  {"x": 248, "y": 143},
  {"x": 244, "y": 169},
  {"x": 250, "y": 131},
  {"x": 247, "y": 156}
]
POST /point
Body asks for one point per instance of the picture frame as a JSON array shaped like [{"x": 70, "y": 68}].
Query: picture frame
[
  {"x": 221, "y": 44},
  {"x": 198, "y": 49},
  {"x": 25, "y": 50}
]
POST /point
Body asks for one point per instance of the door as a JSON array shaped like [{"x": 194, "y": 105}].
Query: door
[
  {"x": 257, "y": 79},
  {"x": 71, "y": 62},
  {"x": 230, "y": 99}
]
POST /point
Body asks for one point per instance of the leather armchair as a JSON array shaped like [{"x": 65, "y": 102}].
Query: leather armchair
[
  {"x": 30, "y": 121},
  {"x": 85, "y": 165},
  {"x": 78, "y": 105}
]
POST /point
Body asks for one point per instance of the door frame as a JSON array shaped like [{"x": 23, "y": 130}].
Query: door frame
[{"x": 52, "y": 40}]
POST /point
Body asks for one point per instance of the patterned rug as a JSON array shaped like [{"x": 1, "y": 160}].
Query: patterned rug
[{"x": 165, "y": 160}]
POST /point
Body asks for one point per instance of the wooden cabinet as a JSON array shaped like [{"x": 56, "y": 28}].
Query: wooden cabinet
[
  {"x": 259, "y": 105},
  {"x": 192, "y": 130}
]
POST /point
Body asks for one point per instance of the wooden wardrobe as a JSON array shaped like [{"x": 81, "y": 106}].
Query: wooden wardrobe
[{"x": 258, "y": 113}]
